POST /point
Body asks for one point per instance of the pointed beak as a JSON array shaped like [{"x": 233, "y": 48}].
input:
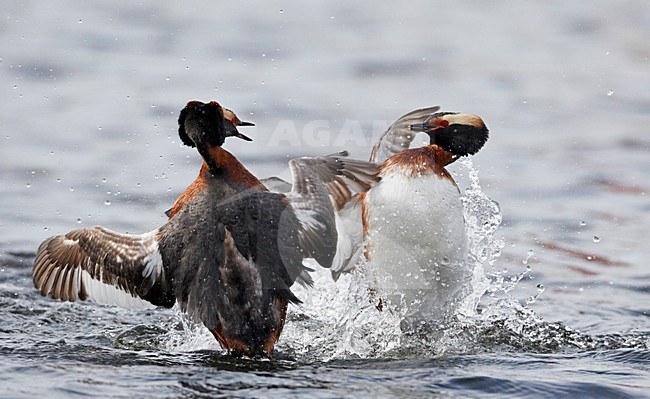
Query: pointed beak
[
  {"x": 242, "y": 136},
  {"x": 419, "y": 127},
  {"x": 231, "y": 131}
]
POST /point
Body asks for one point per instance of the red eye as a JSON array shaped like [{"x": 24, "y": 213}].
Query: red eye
[{"x": 443, "y": 123}]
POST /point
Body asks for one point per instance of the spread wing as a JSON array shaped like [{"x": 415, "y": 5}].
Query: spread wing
[
  {"x": 321, "y": 186},
  {"x": 398, "y": 137},
  {"x": 342, "y": 177},
  {"x": 104, "y": 266}
]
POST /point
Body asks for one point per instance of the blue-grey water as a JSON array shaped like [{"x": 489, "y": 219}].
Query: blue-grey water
[{"x": 90, "y": 96}]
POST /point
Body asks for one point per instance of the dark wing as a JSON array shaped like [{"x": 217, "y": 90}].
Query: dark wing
[
  {"x": 398, "y": 137},
  {"x": 104, "y": 266},
  {"x": 276, "y": 185},
  {"x": 312, "y": 206},
  {"x": 322, "y": 186}
]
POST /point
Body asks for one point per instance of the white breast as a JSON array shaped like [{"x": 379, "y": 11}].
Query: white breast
[{"x": 417, "y": 242}]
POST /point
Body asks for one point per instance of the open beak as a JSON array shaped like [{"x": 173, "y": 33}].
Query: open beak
[
  {"x": 242, "y": 136},
  {"x": 231, "y": 130}
]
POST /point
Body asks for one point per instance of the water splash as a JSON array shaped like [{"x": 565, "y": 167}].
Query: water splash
[
  {"x": 340, "y": 320},
  {"x": 183, "y": 335}
]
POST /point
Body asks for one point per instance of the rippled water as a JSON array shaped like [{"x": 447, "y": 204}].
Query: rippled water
[{"x": 91, "y": 96}]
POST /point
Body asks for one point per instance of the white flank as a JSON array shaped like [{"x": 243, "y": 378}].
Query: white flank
[
  {"x": 417, "y": 242},
  {"x": 349, "y": 245}
]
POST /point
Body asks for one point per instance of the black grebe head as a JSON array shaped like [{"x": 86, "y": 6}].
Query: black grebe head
[
  {"x": 202, "y": 124},
  {"x": 460, "y": 134}
]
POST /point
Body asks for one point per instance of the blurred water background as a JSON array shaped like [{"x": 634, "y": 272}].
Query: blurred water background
[{"x": 91, "y": 92}]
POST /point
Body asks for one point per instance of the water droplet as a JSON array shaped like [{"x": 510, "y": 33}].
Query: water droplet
[
  {"x": 529, "y": 255},
  {"x": 78, "y": 220},
  {"x": 610, "y": 93},
  {"x": 596, "y": 239},
  {"x": 58, "y": 180},
  {"x": 583, "y": 224},
  {"x": 107, "y": 203},
  {"x": 28, "y": 185},
  {"x": 103, "y": 180},
  {"x": 80, "y": 21},
  {"x": 71, "y": 188}
]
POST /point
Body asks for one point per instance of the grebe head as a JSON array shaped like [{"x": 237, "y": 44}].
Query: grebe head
[
  {"x": 201, "y": 124},
  {"x": 460, "y": 134}
]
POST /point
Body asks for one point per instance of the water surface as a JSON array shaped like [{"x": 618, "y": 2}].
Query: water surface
[{"x": 91, "y": 96}]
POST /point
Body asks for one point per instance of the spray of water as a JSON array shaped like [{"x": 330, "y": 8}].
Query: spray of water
[{"x": 340, "y": 320}]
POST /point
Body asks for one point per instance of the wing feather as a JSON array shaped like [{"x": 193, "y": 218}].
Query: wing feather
[
  {"x": 399, "y": 137},
  {"x": 102, "y": 265},
  {"x": 321, "y": 187}
]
